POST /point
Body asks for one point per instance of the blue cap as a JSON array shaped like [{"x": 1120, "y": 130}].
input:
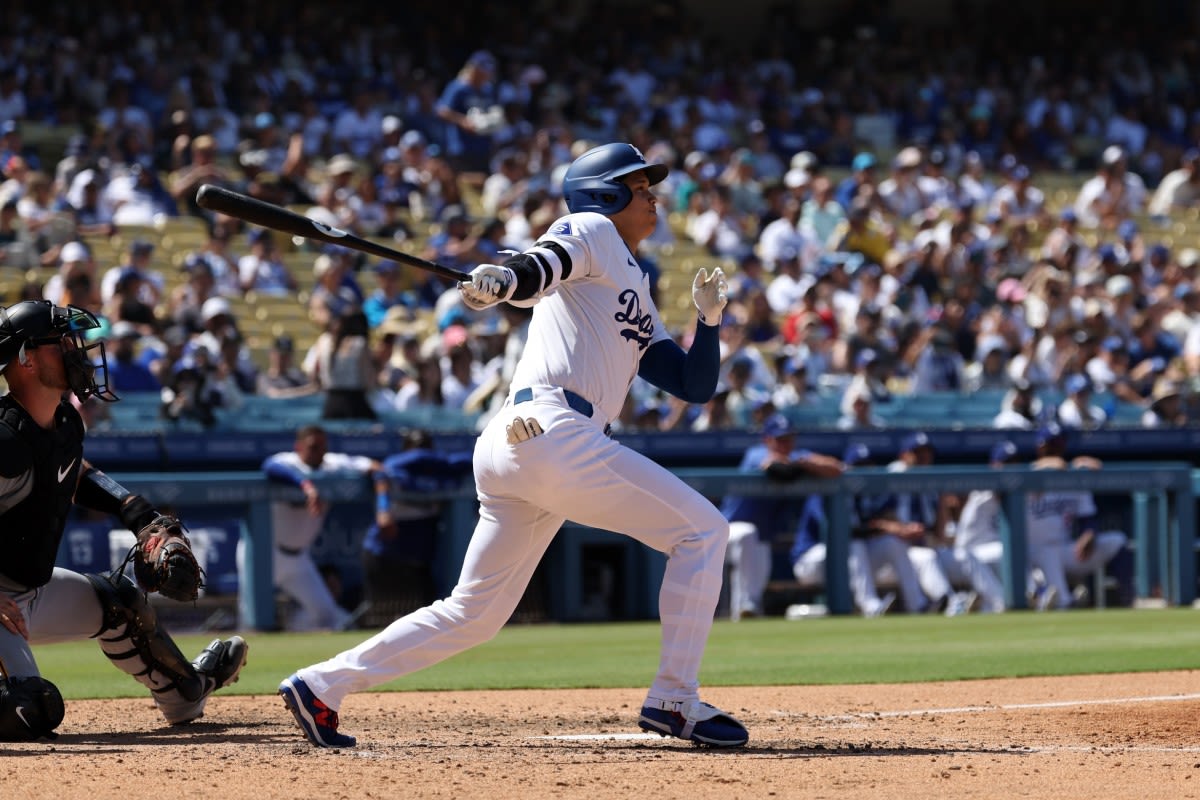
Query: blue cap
[
  {"x": 387, "y": 268},
  {"x": 1076, "y": 383},
  {"x": 1160, "y": 252},
  {"x": 1127, "y": 229},
  {"x": 863, "y": 161},
  {"x": 1019, "y": 173},
  {"x": 1107, "y": 252},
  {"x": 1003, "y": 451},
  {"x": 856, "y": 453},
  {"x": 264, "y": 119},
  {"x": 483, "y": 59},
  {"x": 915, "y": 441},
  {"x": 1049, "y": 432},
  {"x": 777, "y": 425},
  {"x": 1068, "y": 215}
]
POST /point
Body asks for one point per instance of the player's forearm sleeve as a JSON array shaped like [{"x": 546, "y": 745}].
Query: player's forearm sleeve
[
  {"x": 539, "y": 269},
  {"x": 284, "y": 473},
  {"x": 691, "y": 375}
]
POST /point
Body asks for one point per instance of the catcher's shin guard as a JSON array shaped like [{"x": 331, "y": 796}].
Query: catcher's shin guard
[{"x": 134, "y": 641}]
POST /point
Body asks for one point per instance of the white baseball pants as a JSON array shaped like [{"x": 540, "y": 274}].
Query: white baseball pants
[{"x": 526, "y": 491}]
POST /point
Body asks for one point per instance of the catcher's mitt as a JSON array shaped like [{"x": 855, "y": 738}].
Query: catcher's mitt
[{"x": 163, "y": 561}]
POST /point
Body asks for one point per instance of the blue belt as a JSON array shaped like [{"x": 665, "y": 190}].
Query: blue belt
[{"x": 573, "y": 400}]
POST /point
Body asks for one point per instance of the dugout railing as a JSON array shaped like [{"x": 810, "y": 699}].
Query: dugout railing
[{"x": 1162, "y": 497}]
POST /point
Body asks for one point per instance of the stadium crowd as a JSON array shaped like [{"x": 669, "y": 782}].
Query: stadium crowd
[{"x": 889, "y": 198}]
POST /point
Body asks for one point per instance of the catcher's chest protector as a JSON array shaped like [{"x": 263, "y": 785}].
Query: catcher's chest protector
[{"x": 31, "y": 530}]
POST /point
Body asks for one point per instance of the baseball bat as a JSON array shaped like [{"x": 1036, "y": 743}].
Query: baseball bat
[{"x": 216, "y": 198}]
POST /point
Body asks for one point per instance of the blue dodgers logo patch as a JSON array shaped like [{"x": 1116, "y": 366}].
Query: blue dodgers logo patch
[
  {"x": 639, "y": 327},
  {"x": 562, "y": 228}
]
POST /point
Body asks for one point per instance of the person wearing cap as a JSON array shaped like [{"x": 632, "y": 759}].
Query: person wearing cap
[
  {"x": 1112, "y": 194},
  {"x": 126, "y": 374},
  {"x": 1077, "y": 409},
  {"x": 874, "y": 523},
  {"x": 862, "y": 174},
  {"x": 139, "y": 259},
  {"x": 939, "y": 566},
  {"x": 755, "y": 521},
  {"x": 263, "y": 270},
  {"x": 809, "y": 551},
  {"x": 137, "y": 197},
  {"x": 1063, "y": 542},
  {"x": 1166, "y": 406},
  {"x": 200, "y": 167},
  {"x": 900, "y": 192},
  {"x": 389, "y": 292},
  {"x": 335, "y": 289},
  {"x": 283, "y": 378},
  {"x": 75, "y": 260},
  {"x": 507, "y": 185},
  {"x": 935, "y": 362},
  {"x": 465, "y": 105},
  {"x": 721, "y": 228},
  {"x": 1179, "y": 188},
  {"x": 977, "y": 528}
]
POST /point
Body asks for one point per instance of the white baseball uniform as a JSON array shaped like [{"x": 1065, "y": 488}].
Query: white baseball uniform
[
  {"x": 591, "y": 326},
  {"x": 294, "y": 530},
  {"x": 1050, "y": 521}
]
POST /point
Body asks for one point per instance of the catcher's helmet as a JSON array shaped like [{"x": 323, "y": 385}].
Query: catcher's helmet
[
  {"x": 593, "y": 181},
  {"x": 35, "y": 323}
]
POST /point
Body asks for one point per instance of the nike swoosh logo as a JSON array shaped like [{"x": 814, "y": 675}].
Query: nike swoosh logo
[
  {"x": 62, "y": 473},
  {"x": 631, "y": 262},
  {"x": 21, "y": 713}
]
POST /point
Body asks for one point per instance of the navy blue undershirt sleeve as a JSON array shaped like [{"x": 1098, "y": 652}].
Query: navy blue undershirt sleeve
[{"x": 690, "y": 375}]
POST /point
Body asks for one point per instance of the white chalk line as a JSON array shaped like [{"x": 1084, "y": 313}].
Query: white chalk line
[{"x": 920, "y": 712}]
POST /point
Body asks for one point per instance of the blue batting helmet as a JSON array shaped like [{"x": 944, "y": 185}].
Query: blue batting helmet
[{"x": 593, "y": 181}]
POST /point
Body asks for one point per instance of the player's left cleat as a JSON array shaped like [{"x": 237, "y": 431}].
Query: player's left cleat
[
  {"x": 692, "y": 720},
  {"x": 218, "y": 665},
  {"x": 318, "y": 721}
]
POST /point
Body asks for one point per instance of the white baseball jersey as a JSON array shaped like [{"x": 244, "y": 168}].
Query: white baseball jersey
[
  {"x": 579, "y": 338},
  {"x": 295, "y": 528},
  {"x": 979, "y": 522}
]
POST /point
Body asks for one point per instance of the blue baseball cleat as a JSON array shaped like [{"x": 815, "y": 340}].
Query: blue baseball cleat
[
  {"x": 318, "y": 721},
  {"x": 692, "y": 720}
]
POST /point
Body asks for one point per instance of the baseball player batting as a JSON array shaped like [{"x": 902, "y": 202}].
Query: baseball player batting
[
  {"x": 44, "y": 355},
  {"x": 546, "y": 456}
]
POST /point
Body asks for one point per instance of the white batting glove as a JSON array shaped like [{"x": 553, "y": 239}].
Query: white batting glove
[
  {"x": 710, "y": 293},
  {"x": 490, "y": 284},
  {"x": 523, "y": 429}
]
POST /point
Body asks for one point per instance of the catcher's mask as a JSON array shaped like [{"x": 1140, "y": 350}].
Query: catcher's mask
[{"x": 39, "y": 323}]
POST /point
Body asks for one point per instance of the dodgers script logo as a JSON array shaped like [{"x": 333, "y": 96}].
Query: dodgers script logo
[{"x": 640, "y": 326}]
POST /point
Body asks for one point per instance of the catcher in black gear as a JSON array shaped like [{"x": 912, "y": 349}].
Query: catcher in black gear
[{"x": 44, "y": 357}]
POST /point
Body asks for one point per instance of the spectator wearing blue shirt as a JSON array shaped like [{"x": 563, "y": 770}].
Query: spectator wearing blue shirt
[
  {"x": 862, "y": 174},
  {"x": 398, "y": 558},
  {"x": 126, "y": 375},
  {"x": 468, "y": 105},
  {"x": 389, "y": 292},
  {"x": 755, "y": 520}
]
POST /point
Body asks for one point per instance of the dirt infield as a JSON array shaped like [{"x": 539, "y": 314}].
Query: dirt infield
[{"x": 1112, "y": 736}]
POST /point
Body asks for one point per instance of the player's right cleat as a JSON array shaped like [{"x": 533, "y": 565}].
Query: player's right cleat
[
  {"x": 318, "y": 721},
  {"x": 692, "y": 720}
]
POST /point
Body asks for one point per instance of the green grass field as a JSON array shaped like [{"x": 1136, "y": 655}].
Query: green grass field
[{"x": 829, "y": 650}]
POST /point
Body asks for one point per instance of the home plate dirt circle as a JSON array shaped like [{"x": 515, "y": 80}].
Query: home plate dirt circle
[{"x": 1129, "y": 735}]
